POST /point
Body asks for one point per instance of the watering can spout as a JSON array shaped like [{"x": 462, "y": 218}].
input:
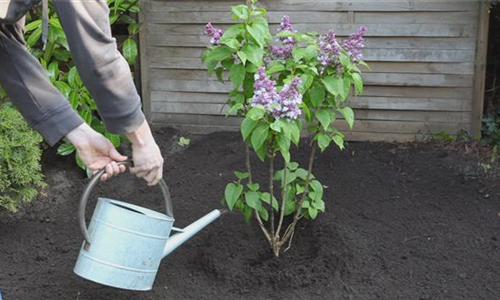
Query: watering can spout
[{"x": 185, "y": 234}]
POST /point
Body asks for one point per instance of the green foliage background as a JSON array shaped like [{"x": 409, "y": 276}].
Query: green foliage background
[{"x": 20, "y": 170}]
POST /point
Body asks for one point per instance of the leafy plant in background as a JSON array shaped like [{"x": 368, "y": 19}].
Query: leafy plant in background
[
  {"x": 56, "y": 58},
  {"x": 279, "y": 85},
  {"x": 20, "y": 170}
]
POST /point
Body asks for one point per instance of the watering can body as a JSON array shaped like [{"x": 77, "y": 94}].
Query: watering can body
[{"x": 125, "y": 243}]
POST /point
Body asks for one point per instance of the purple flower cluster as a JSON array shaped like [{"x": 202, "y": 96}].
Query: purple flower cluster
[
  {"x": 329, "y": 50},
  {"x": 284, "y": 51},
  {"x": 213, "y": 33},
  {"x": 264, "y": 89},
  {"x": 285, "y": 104},
  {"x": 355, "y": 43},
  {"x": 290, "y": 99},
  {"x": 281, "y": 52}
]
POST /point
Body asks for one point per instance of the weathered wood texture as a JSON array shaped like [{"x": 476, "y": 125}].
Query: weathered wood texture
[{"x": 426, "y": 57}]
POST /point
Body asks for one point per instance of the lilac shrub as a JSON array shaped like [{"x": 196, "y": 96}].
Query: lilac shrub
[{"x": 279, "y": 83}]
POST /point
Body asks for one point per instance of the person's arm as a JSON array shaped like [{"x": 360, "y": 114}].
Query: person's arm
[{"x": 107, "y": 76}]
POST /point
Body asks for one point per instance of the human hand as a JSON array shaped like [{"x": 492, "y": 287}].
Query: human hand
[
  {"x": 148, "y": 161},
  {"x": 96, "y": 151}
]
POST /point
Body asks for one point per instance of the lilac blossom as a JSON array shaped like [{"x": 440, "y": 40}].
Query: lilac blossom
[
  {"x": 286, "y": 25},
  {"x": 329, "y": 50},
  {"x": 284, "y": 50},
  {"x": 285, "y": 104},
  {"x": 354, "y": 44},
  {"x": 264, "y": 90},
  {"x": 289, "y": 101},
  {"x": 213, "y": 33}
]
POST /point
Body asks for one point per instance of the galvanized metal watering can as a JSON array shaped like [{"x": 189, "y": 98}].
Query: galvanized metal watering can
[{"x": 125, "y": 243}]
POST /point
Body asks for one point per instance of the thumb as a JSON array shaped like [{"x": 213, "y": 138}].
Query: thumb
[{"x": 116, "y": 156}]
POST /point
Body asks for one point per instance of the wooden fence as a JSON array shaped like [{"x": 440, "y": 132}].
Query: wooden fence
[{"x": 428, "y": 60}]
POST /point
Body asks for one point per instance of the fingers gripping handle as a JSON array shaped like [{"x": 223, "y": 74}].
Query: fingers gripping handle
[{"x": 88, "y": 189}]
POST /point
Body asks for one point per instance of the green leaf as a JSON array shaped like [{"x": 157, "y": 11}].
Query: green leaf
[
  {"x": 262, "y": 152},
  {"x": 317, "y": 187},
  {"x": 240, "y": 12},
  {"x": 339, "y": 140},
  {"x": 253, "y": 200},
  {"x": 313, "y": 212},
  {"x": 133, "y": 28},
  {"x": 348, "y": 114},
  {"x": 345, "y": 60},
  {"x": 218, "y": 72},
  {"x": 232, "y": 32},
  {"x": 263, "y": 213},
  {"x": 243, "y": 56},
  {"x": 259, "y": 136},
  {"x": 324, "y": 141},
  {"x": 247, "y": 127},
  {"x": 63, "y": 87},
  {"x": 310, "y": 52},
  {"x": 364, "y": 64},
  {"x": 295, "y": 132},
  {"x": 74, "y": 78},
  {"x": 358, "y": 83},
  {"x": 248, "y": 84},
  {"x": 33, "y": 25},
  {"x": 237, "y": 75},
  {"x": 65, "y": 149},
  {"x": 277, "y": 125},
  {"x": 130, "y": 51},
  {"x": 53, "y": 71},
  {"x": 284, "y": 146},
  {"x": 254, "y": 54},
  {"x": 277, "y": 67},
  {"x": 259, "y": 30},
  {"x": 324, "y": 116},
  {"x": 247, "y": 213},
  {"x": 334, "y": 85},
  {"x": 256, "y": 113},
  {"x": 34, "y": 37},
  {"x": 317, "y": 95},
  {"x": 319, "y": 205},
  {"x": 266, "y": 197},
  {"x": 242, "y": 175},
  {"x": 219, "y": 53},
  {"x": 307, "y": 81},
  {"x": 253, "y": 186},
  {"x": 232, "y": 194}
]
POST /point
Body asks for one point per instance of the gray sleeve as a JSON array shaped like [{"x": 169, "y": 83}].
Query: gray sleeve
[
  {"x": 101, "y": 66},
  {"x": 26, "y": 82}
]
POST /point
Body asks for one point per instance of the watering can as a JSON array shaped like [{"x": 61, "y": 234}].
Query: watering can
[{"x": 125, "y": 243}]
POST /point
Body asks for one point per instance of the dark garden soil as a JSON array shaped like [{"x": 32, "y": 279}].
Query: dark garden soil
[{"x": 402, "y": 222}]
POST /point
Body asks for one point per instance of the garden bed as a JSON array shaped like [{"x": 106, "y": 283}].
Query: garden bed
[{"x": 401, "y": 222}]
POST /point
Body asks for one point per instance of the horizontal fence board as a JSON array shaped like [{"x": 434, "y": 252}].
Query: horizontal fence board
[
  {"x": 173, "y": 81},
  {"x": 318, "y": 5},
  {"x": 392, "y": 67},
  {"x": 385, "y": 103},
  {"x": 274, "y": 17},
  {"x": 409, "y": 30},
  {"x": 370, "y": 78},
  {"x": 427, "y": 43},
  {"x": 361, "y": 114},
  {"x": 403, "y": 55},
  {"x": 391, "y": 91},
  {"x": 359, "y": 125}
]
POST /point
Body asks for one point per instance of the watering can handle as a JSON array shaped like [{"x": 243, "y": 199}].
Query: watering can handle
[{"x": 90, "y": 185}]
